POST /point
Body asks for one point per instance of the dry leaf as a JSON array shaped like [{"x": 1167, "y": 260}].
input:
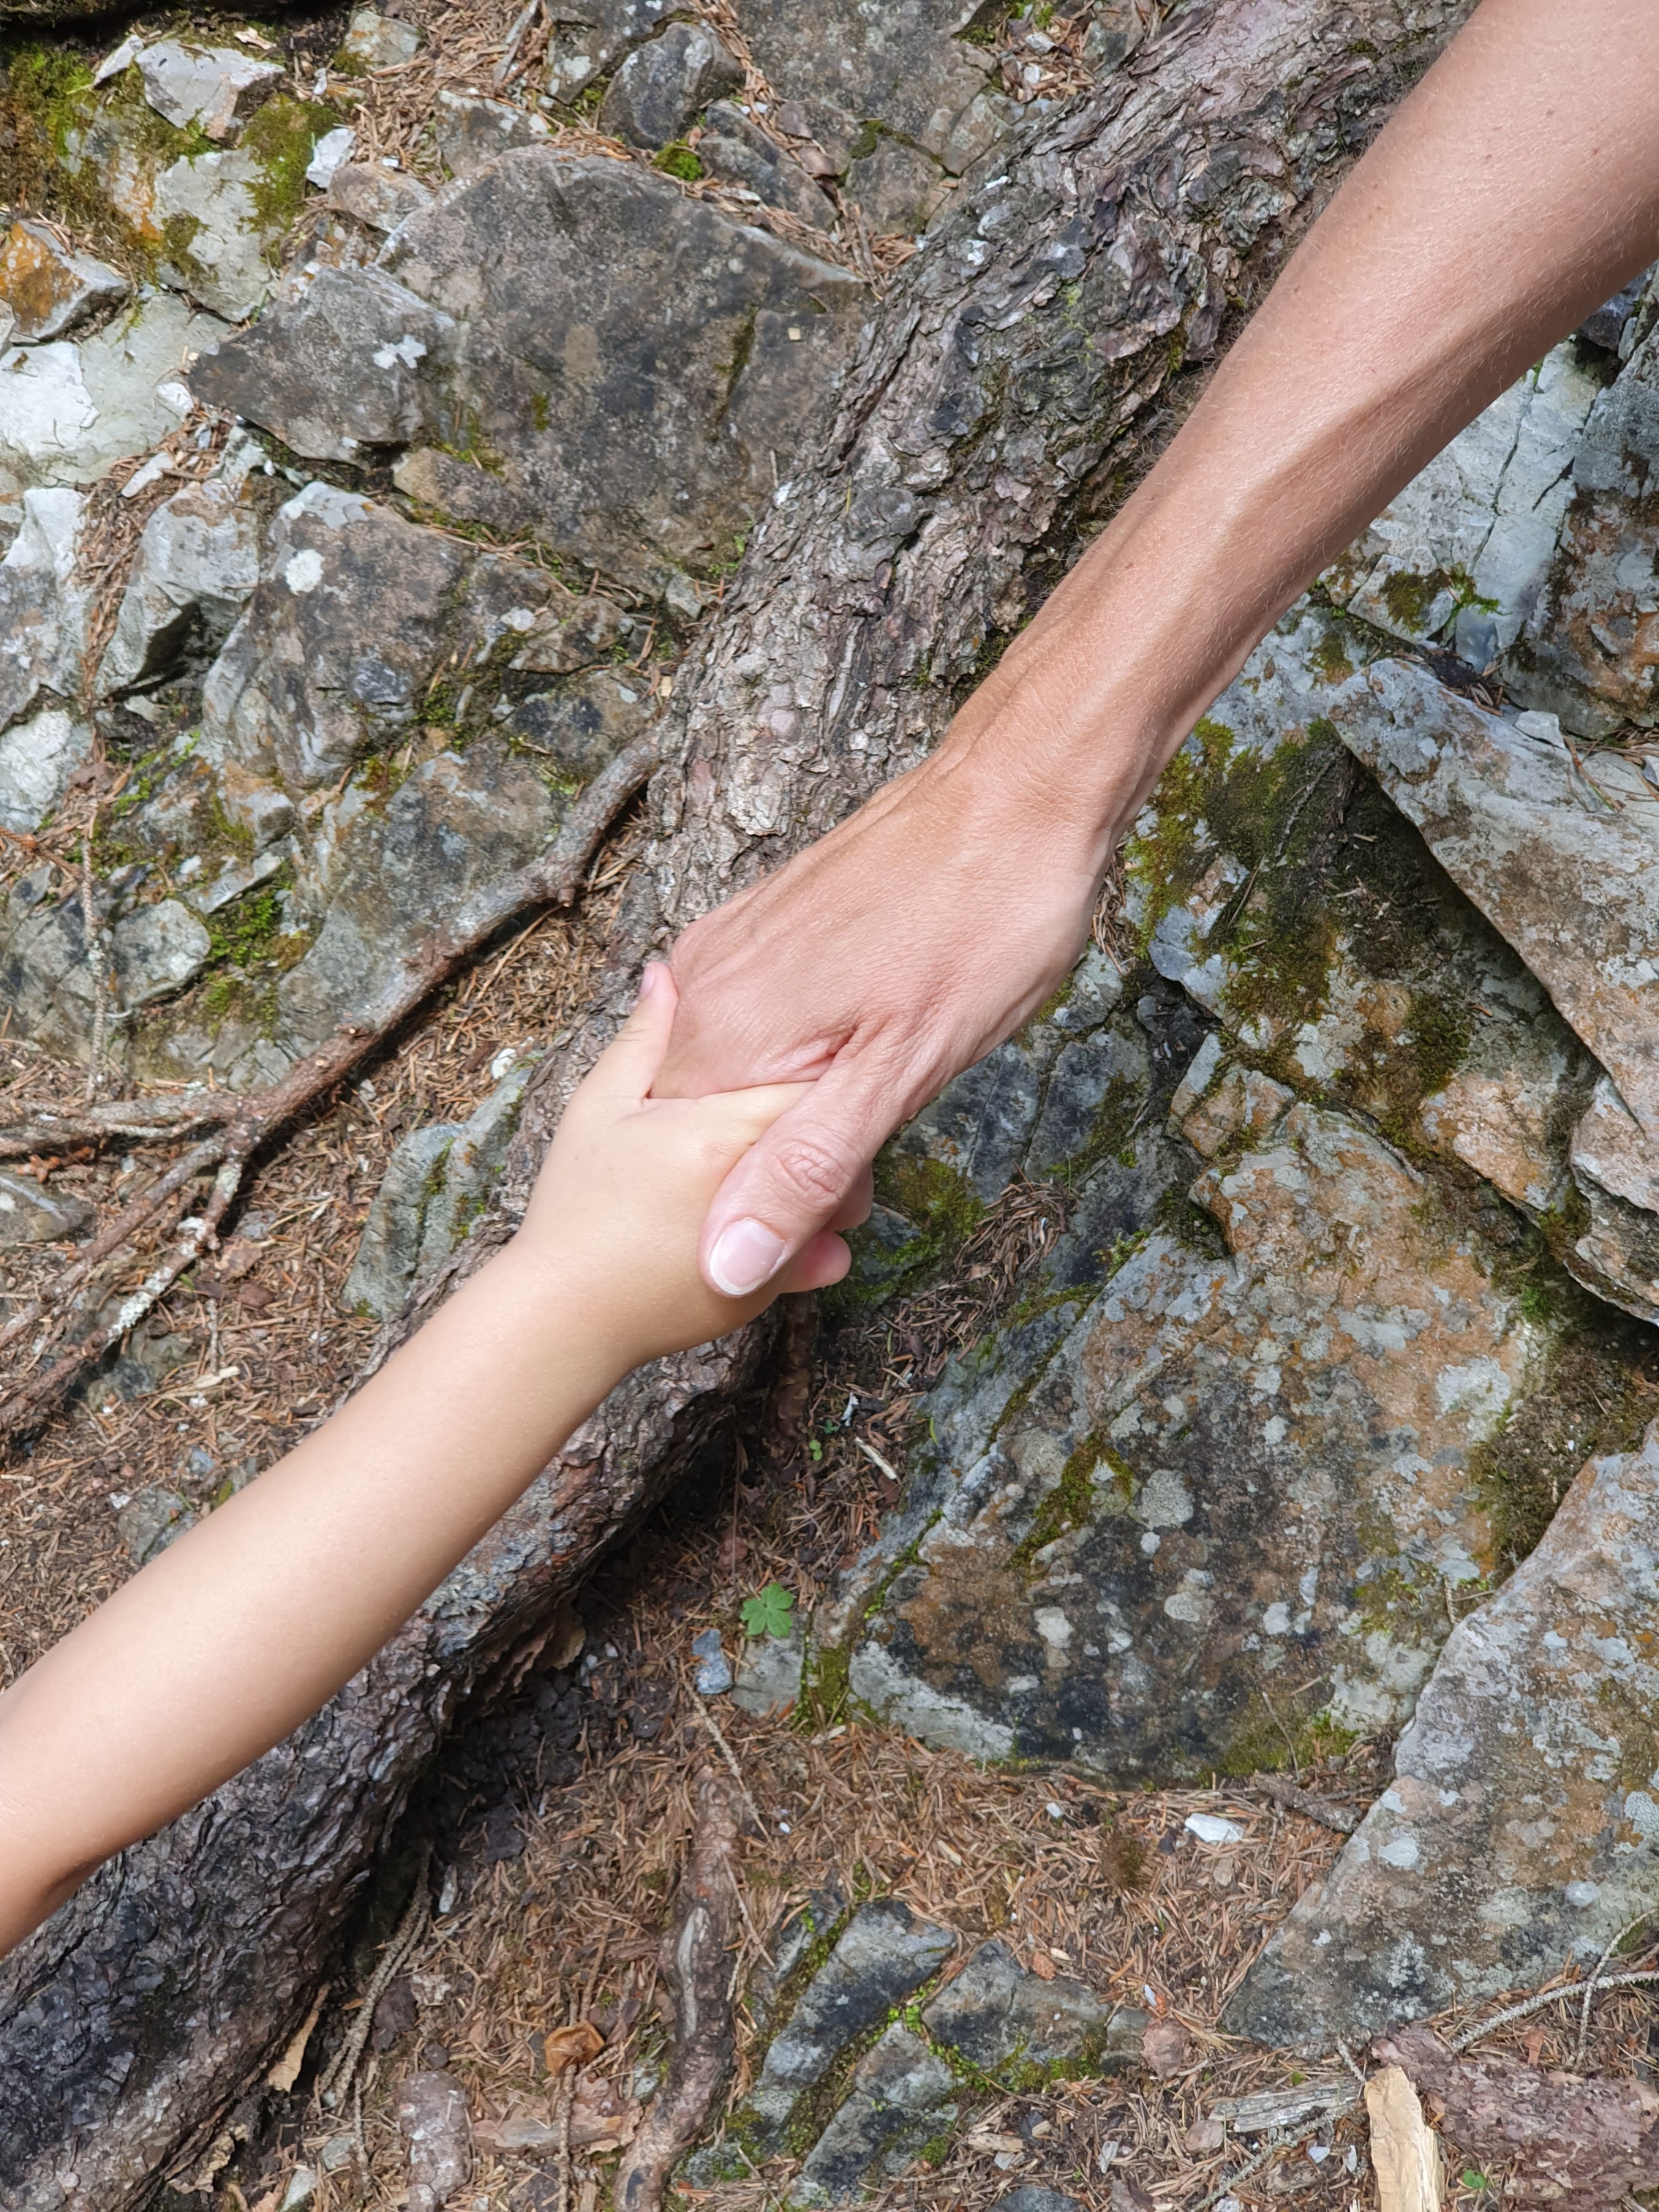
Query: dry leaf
[
  {"x": 1209, "y": 2134},
  {"x": 1405, "y": 2151},
  {"x": 1043, "y": 1966},
  {"x": 570, "y": 2046},
  {"x": 1165, "y": 2048}
]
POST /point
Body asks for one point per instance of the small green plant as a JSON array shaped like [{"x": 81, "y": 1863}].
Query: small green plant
[
  {"x": 770, "y": 1612},
  {"x": 1474, "y": 2180},
  {"x": 679, "y": 160}
]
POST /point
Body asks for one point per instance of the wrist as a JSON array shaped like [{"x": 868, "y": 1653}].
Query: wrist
[{"x": 559, "y": 1314}]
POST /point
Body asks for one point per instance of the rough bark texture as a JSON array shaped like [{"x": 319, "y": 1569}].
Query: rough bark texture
[{"x": 1041, "y": 345}]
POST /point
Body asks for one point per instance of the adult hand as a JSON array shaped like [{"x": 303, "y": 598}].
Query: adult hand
[
  {"x": 911, "y": 940},
  {"x": 1517, "y": 188}
]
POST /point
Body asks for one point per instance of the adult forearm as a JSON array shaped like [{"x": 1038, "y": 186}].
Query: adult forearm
[{"x": 1515, "y": 190}]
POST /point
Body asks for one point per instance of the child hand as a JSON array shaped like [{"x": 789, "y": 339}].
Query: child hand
[{"x": 619, "y": 1204}]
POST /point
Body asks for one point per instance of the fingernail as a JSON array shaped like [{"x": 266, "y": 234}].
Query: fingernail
[
  {"x": 745, "y": 1256},
  {"x": 649, "y": 980}
]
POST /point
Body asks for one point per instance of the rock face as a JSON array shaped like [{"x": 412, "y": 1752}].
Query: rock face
[
  {"x": 883, "y": 1955},
  {"x": 1015, "y": 2028},
  {"x": 1465, "y": 549},
  {"x": 71, "y": 407},
  {"x": 1562, "y": 861},
  {"x": 32, "y": 1215},
  {"x": 1588, "y": 652},
  {"x": 335, "y": 372},
  {"x": 43, "y": 606},
  {"x": 439, "y": 1180},
  {"x": 48, "y": 291},
  {"x": 525, "y": 336},
  {"x": 355, "y": 612},
  {"x": 197, "y": 563},
  {"x": 857, "y": 2092},
  {"x": 37, "y": 758},
  {"x": 906, "y": 68},
  {"x": 661, "y": 87},
  {"x": 1066, "y": 1580},
  {"x": 1522, "y": 1831},
  {"x": 211, "y": 87}
]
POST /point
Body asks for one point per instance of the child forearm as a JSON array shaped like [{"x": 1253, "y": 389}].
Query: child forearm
[
  {"x": 227, "y": 1642},
  {"x": 223, "y": 1645}
]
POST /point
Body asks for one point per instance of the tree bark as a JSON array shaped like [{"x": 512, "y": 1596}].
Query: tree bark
[{"x": 1015, "y": 380}]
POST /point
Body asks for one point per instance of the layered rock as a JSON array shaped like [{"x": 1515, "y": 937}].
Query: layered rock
[
  {"x": 540, "y": 368},
  {"x": 1561, "y": 858}
]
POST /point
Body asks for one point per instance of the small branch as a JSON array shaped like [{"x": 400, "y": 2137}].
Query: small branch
[
  {"x": 699, "y": 1974},
  {"x": 406, "y": 1941},
  {"x": 1342, "y": 1818},
  {"x": 1530, "y": 2005},
  {"x": 97, "y": 962}
]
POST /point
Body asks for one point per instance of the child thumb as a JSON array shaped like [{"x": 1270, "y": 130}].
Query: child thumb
[{"x": 630, "y": 1064}]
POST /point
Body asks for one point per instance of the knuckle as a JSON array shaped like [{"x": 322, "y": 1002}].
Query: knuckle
[{"x": 811, "y": 1171}]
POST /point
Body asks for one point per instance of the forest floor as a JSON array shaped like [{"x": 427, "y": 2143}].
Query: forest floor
[{"x": 561, "y": 1816}]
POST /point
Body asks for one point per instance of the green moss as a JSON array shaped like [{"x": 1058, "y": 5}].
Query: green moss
[
  {"x": 1410, "y": 597},
  {"x": 679, "y": 160},
  {"x": 245, "y": 931},
  {"x": 1330, "y": 659},
  {"x": 281, "y": 137},
  {"x": 942, "y": 1206},
  {"x": 541, "y": 412},
  {"x": 1595, "y": 1397},
  {"x": 1266, "y": 1740},
  {"x": 1074, "y": 1502}
]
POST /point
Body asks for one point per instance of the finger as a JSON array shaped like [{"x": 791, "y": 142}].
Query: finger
[
  {"x": 854, "y": 1208},
  {"x": 625, "y": 1070},
  {"x": 822, "y": 1260},
  {"x": 796, "y": 1177}
]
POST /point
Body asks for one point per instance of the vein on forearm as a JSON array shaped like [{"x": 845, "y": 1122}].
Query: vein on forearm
[{"x": 1517, "y": 188}]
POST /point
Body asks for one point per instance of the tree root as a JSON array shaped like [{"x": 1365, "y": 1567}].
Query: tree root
[
  {"x": 697, "y": 1966},
  {"x": 241, "y": 1126}
]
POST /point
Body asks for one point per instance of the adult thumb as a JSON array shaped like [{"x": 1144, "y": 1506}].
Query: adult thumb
[{"x": 793, "y": 1180}]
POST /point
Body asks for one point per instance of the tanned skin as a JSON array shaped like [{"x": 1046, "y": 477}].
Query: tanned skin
[{"x": 1516, "y": 188}]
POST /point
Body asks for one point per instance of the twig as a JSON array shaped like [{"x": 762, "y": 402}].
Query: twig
[
  {"x": 1342, "y": 1818},
  {"x": 92, "y": 931},
  {"x": 725, "y": 1749},
  {"x": 1530, "y": 2005},
  {"x": 1629, "y": 1927},
  {"x": 566, "y": 2099},
  {"x": 1264, "y": 2156},
  {"x": 554, "y": 880},
  {"x": 405, "y": 1939}
]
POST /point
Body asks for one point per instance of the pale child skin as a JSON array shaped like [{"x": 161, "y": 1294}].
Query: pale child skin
[{"x": 235, "y": 1634}]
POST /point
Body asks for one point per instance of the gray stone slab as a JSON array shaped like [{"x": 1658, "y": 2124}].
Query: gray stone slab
[
  {"x": 564, "y": 273},
  {"x": 389, "y": 1250},
  {"x": 37, "y": 758},
  {"x": 333, "y": 371},
  {"x": 662, "y": 86},
  {"x": 901, "y": 2097},
  {"x": 1520, "y": 1835},
  {"x": 1012, "y": 2024},
  {"x": 883, "y": 1955},
  {"x": 32, "y": 1213}
]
